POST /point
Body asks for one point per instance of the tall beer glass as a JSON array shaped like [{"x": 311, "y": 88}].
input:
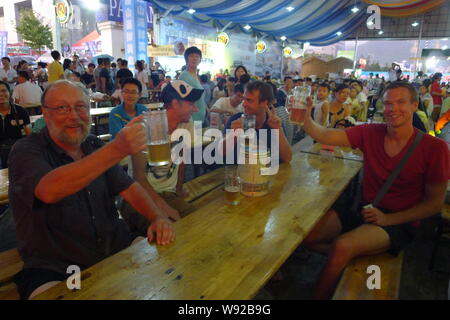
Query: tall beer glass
[
  {"x": 232, "y": 185},
  {"x": 158, "y": 142}
]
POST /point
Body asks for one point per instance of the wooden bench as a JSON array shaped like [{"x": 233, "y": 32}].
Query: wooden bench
[
  {"x": 353, "y": 283},
  {"x": 10, "y": 264}
]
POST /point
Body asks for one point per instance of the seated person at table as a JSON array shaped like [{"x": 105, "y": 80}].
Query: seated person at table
[
  {"x": 230, "y": 104},
  {"x": 339, "y": 109},
  {"x": 14, "y": 125},
  {"x": 257, "y": 97},
  {"x": 26, "y": 93},
  {"x": 122, "y": 114},
  {"x": 165, "y": 183},
  {"x": 417, "y": 193},
  {"x": 62, "y": 187},
  {"x": 322, "y": 106}
]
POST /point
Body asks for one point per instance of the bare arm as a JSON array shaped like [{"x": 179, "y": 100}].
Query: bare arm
[
  {"x": 431, "y": 204},
  {"x": 335, "y": 137},
  {"x": 79, "y": 174},
  {"x": 139, "y": 161}
]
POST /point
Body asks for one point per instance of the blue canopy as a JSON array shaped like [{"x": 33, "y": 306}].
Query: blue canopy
[{"x": 319, "y": 22}]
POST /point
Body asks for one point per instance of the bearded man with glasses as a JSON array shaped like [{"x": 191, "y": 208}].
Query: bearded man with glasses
[{"x": 62, "y": 187}]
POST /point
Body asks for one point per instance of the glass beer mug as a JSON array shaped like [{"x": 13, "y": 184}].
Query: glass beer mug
[
  {"x": 297, "y": 104},
  {"x": 158, "y": 141}
]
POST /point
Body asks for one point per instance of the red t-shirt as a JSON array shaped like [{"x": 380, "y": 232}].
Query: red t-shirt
[
  {"x": 435, "y": 87},
  {"x": 429, "y": 164}
]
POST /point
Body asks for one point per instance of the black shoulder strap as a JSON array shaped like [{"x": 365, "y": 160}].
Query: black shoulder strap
[{"x": 397, "y": 169}]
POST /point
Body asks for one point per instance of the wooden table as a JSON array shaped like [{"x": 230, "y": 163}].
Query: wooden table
[
  {"x": 4, "y": 184},
  {"x": 223, "y": 252},
  {"x": 97, "y": 114},
  {"x": 307, "y": 145},
  {"x": 33, "y": 108}
]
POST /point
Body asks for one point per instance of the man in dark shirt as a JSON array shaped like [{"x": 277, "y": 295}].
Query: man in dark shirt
[
  {"x": 123, "y": 72},
  {"x": 106, "y": 83},
  {"x": 62, "y": 188},
  {"x": 88, "y": 77}
]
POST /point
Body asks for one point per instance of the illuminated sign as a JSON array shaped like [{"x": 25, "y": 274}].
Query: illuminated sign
[
  {"x": 261, "y": 46},
  {"x": 287, "y": 52},
  {"x": 64, "y": 10},
  {"x": 223, "y": 38}
]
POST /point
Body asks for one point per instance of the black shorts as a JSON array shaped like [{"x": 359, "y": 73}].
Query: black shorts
[
  {"x": 400, "y": 235},
  {"x": 30, "y": 279}
]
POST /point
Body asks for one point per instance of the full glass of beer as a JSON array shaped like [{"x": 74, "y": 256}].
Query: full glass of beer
[
  {"x": 158, "y": 141},
  {"x": 297, "y": 104},
  {"x": 232, "y": 185}
]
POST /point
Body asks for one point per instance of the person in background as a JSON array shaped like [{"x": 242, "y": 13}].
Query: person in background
[
  {"x": 193, "y": 57},
  {"x": 87, "y": 78},
  {"x": 239, "y": 71},
  {"x": 26, "y": 92},
  {"x": 114, "y": 72},
  {"x": 207, "y": 95},
  {"x": 41, "y": 75},
  {"x": 67, "y": 66},
  {"x": 436, "y": 93},
  {"x": 79, "y": 67},
  {"x": 220, "y": 90},
  {"x": 245, "y": 79},
  {"x": 284, "y": 91},
  {"x": 97, "y": 71},
  {"x": 106, "y": 83},
  {"x": 231, "y": 104},
  {"x": 362, "y": 100},
  {"x": 322, "y": 106},
  {"x": 123, "y": 72},
  {"x": 356, "y": 106},
  {"x": 142, "y": 77},
  {"x": 15, "y": 123},
  {"x": 427, "y": 99},
  {"x": 8, "y": 74},
  {"x": 75, "y": 77},
  {"x": 423, "y": 116},
  {"x": 339, "y": 109},
  {"x": 229, "y": 85}
]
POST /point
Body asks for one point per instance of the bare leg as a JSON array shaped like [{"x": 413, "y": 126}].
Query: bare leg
[
  {"x": 327, "y": 229},
  {"x": 367, "y": 239},
  {"x": 43, "y": 288}
]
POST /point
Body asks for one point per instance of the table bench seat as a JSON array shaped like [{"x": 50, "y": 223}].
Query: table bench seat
[
  {"x": 10, "y": 264},
  {"x": 353, "y": 283},
  {"x": 203, "y": 184}
]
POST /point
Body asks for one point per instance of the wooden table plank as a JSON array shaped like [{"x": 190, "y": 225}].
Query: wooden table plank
[
  {"x": 307, "y": 145},
  {"x": 4, "y": 184},
  {"x": 223, "y": 252}
]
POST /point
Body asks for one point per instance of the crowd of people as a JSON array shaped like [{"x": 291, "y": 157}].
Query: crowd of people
[{"x": 63, "y": 181}]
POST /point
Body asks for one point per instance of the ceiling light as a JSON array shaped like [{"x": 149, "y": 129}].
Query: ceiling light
[
  {"x": 444, "y": 48},
  {"x": 290, "y": 9},
  {"x": 338, "y": 33},
  {"x": 445, "y": 39},
  {"x": 191, "y": 11},
  {"x": 247, "y": 27},
  {"x": 306, "y": 44},
  {"x": 355, "y": 9},
  {"x": 380, "y": 32},
  {"x": 370, "y": 23},
  {"x": 415, "y": 24},
  {"x": 283, "y": 38}
]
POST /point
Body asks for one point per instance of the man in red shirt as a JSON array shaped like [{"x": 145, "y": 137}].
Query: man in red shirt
[
  {"x": 417, "y": 193},
  {"x": 436, "y": 93}
]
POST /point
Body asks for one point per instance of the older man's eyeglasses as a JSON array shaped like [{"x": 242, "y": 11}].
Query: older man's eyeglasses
[{"x": 64, "y": 110}]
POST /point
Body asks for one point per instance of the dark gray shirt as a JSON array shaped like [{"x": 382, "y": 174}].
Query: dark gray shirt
[{"x": 83, "y": 228}]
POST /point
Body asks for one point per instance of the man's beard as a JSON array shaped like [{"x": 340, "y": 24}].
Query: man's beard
[{"x": 75, "y": 140}]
